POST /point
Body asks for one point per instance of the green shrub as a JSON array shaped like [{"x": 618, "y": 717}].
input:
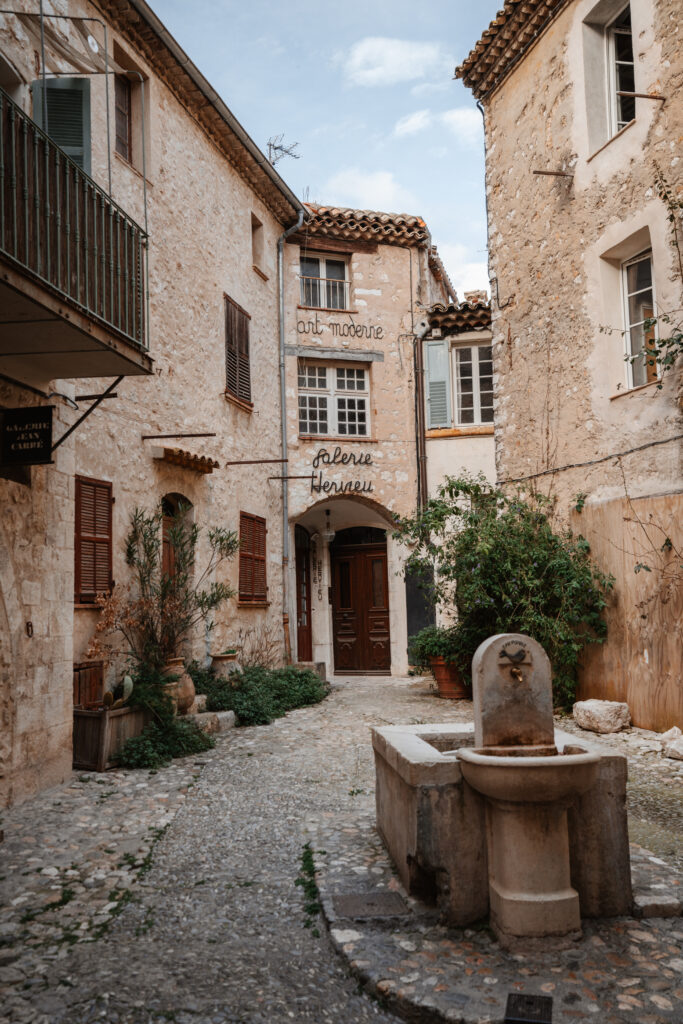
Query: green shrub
[
  {"x": 432, "y": 642},
  {"x": 161, "y": 741},
  {"x": 259, "y": 695},
  {"x": 499, "y": 567}
]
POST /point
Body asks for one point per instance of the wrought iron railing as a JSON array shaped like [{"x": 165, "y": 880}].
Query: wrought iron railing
[
  {"x": 62, "y": 228},
  {"x": 324, "y": 293}
]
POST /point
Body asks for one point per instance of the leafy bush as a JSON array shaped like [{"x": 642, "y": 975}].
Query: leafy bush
[
  {"x": 259, "y": 695},
  {"x": 501, "y": 568},
  {"x": 432, "y": 642},
  {"x": 160, "y": 742}
]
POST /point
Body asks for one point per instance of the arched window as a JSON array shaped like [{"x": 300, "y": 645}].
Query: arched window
[{"x": 172, "y": 506}]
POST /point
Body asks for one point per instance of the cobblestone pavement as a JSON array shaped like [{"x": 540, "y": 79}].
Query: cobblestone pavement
[{"x": 139, "y": 897}]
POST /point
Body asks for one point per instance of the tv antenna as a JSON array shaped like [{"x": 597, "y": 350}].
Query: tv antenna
[{"x": 277, "y": 149}]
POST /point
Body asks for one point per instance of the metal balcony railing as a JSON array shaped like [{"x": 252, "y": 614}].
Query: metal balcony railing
[
  {"x": 64, "y": 230},
  {"x": 324, "y": 293}
]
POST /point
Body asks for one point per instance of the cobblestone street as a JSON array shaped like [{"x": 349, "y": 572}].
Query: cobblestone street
[{"x": 170, "y": 896}]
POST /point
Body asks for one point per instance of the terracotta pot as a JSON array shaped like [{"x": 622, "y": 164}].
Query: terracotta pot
[
  {"x": 224, "y": 664},
  {"x": 181, "y": 690},
  {"x": 448, "y": 680}
]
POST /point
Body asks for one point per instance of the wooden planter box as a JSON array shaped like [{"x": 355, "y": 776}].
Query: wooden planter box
[{"x": 99, "y": 734}]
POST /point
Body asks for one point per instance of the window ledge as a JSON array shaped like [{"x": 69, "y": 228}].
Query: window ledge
[
  {"x": 260, "y": 272},
  {"x": 239, "y": 402},
  {"x": 475, "y": 430},
  {"x": 617, "y": 135},
  {"x": 307, "y": 438},
  {"x": 132, "y": 167},
  {"x": 632, "y": 391},
  {"x": 326, "y": 309},
  {"x": 253, "y": 604}
]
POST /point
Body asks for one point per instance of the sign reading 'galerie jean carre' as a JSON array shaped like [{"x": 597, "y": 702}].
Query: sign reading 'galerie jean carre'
[
  {"x": 339, "y": 458},
  {"x": 26, "y": 436}
]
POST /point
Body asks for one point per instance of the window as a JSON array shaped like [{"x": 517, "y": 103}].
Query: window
[
  {"x": 237, "y": 371},
  {"x": 333, "y": 400},
  {"x": 458, "y": 385},
  {"x": 93, "y": 539},
  {"x": 123, "y": 119},
  {"x": 257, "y": 246},
  {"x": 324, "y": 283},
  {"x": 621, "y": 71},
  {"x": 639, "y": 307},
  {"x": 67, "y": 117},
  {"x": 252, "y": 580}
]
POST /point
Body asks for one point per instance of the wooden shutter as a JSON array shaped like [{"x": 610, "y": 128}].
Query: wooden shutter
[
  {"x": 122, "y": 117},
  {"x": 93, "y": 539},
  {"x": 437, "y": 384},
  {"x": 237, "y": 369},
  {"x": 252, "y": 581},
  {"x": 68, "y": 116}
]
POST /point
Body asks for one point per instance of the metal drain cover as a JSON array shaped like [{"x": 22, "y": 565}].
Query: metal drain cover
[
  {"x": 369, "y": 904},
  {"x": 523, "y": 1009}
]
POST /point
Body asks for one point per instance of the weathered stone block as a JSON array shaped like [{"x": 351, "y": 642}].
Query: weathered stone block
[
  {"x": 602, "y": 715},
  {"x": 512, "y": 693}
]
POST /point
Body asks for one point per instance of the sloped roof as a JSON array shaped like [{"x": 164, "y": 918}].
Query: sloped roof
[
  {"x": 502, "y": 44},
  {"x": 460, "y": 317},
  {"x": 365, "y": 225}
]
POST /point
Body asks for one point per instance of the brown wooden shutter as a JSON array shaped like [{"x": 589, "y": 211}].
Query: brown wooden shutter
[
  {"x": 252, "y": 581},
  {"x": 93, "y": 539},
  {"x": 237, "y": 369}
]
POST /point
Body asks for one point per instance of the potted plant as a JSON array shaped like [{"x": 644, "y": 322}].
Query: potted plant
[
  {"x": 159, "y": 609},
  {"x": 225, "y": 662},
  {"x": 436, "y": 647}
]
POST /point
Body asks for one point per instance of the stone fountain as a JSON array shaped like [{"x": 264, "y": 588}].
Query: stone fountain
[{"x": 511, "y": 819}]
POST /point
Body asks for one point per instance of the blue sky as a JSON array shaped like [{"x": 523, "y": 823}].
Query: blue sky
[{"x": 365, "y": 87}]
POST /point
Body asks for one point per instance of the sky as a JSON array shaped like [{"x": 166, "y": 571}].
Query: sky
[{"x": 365, "y": 88}]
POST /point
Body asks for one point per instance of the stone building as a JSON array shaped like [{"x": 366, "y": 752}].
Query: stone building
[
  {"x": 357, "y": 284},
  {"x": 583, "y": 126},
  {"x": 145, "y": 260}
]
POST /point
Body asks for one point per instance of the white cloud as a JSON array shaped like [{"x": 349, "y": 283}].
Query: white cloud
[
  {"x": 378, "y": 60},
  {"x": 466, "y": 273},
  {"x": 466, "y": 123},
  {"x": 412, "y": 123},
  {"x": 424, "y": 88},
  {"x": 376, "y": 190}
]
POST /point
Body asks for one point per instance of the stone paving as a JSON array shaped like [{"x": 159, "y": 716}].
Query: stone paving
[{"x": 138, "y": 897}]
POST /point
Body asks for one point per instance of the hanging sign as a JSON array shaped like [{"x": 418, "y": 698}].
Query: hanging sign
[
  {"x": 338, "y": 458},
  {"x": 26, "y": 436}
]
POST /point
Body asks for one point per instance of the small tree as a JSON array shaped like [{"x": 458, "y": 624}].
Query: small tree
[
  {"x": 158, "y": 609},
  {"x": 500, "y": 568}
]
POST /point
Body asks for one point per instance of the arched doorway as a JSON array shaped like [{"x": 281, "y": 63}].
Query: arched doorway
[
  {"x": 172, "y": 505},
  {"x": 360, "y": 601}
]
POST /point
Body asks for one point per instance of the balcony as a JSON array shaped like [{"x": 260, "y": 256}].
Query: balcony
[
  {"x": 324, "y": 293},
  {"x": 72, "y": 265}
]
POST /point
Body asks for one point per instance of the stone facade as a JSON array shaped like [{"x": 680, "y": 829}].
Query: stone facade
[
  {"x": 214, "y": 210},
  {"x": 567, "y": 403}
]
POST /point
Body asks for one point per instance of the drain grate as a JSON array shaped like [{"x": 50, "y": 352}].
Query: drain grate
[
  {"x": 369, "y": 904},
  {"x": 528, "y": 1009}
]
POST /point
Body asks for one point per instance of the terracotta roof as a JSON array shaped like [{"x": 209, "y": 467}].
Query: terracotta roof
[
  {"x": 180, "y": 457},
  {"x": 140, "y": 26},
  {"x": 504, "y": 41},
  {"x": 365, "y": 225},
  {"x": 441, "y": 274},
  {"x": 459, "y": 317}
]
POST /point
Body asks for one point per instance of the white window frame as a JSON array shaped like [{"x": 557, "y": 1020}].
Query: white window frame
[
  {"x": 452, "y": 403},
  {"x": 475, "y": 347},
  {"x": 333, "y": 395},
  {"x": 614, "y": 124},
  {"x": 343, "y": 286},
  {"x": 629, "y": 326}
]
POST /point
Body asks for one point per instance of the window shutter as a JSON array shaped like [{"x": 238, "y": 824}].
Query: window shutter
[
  {"x": 237, "y": 369},
  {"x": 93, "y": 539},
  {"x": 68, "y": 116},
  {"x": 252, "y": 575},
  {"x": 437, "y": 385}
]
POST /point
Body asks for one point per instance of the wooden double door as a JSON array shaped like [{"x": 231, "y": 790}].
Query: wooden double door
[{"x": 360, "y": 609}]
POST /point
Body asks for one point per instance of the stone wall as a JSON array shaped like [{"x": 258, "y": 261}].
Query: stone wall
[{"x": 555, "y": 246}]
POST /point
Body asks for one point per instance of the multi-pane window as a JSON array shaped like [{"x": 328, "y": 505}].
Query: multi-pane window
[
  {"x": 123, "y": 120},
  {"x": 237, "y": 370},
  {"x": 324, "y": 283},
  {"x": 333, "y": 400},
  {"x": 252, "y": 572},
  {"x": 458, "y": 384},
  {"x": 621, "y": 70},
  {"x": 639, "y": 312}
]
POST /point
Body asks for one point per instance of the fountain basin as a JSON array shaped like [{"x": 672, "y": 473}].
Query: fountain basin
[{"x": 520, "y": 779}]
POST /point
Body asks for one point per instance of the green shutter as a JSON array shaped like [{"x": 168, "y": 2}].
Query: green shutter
[
  {"x": 68, "y": 115},
  {"x": 437, "y": 384}
]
